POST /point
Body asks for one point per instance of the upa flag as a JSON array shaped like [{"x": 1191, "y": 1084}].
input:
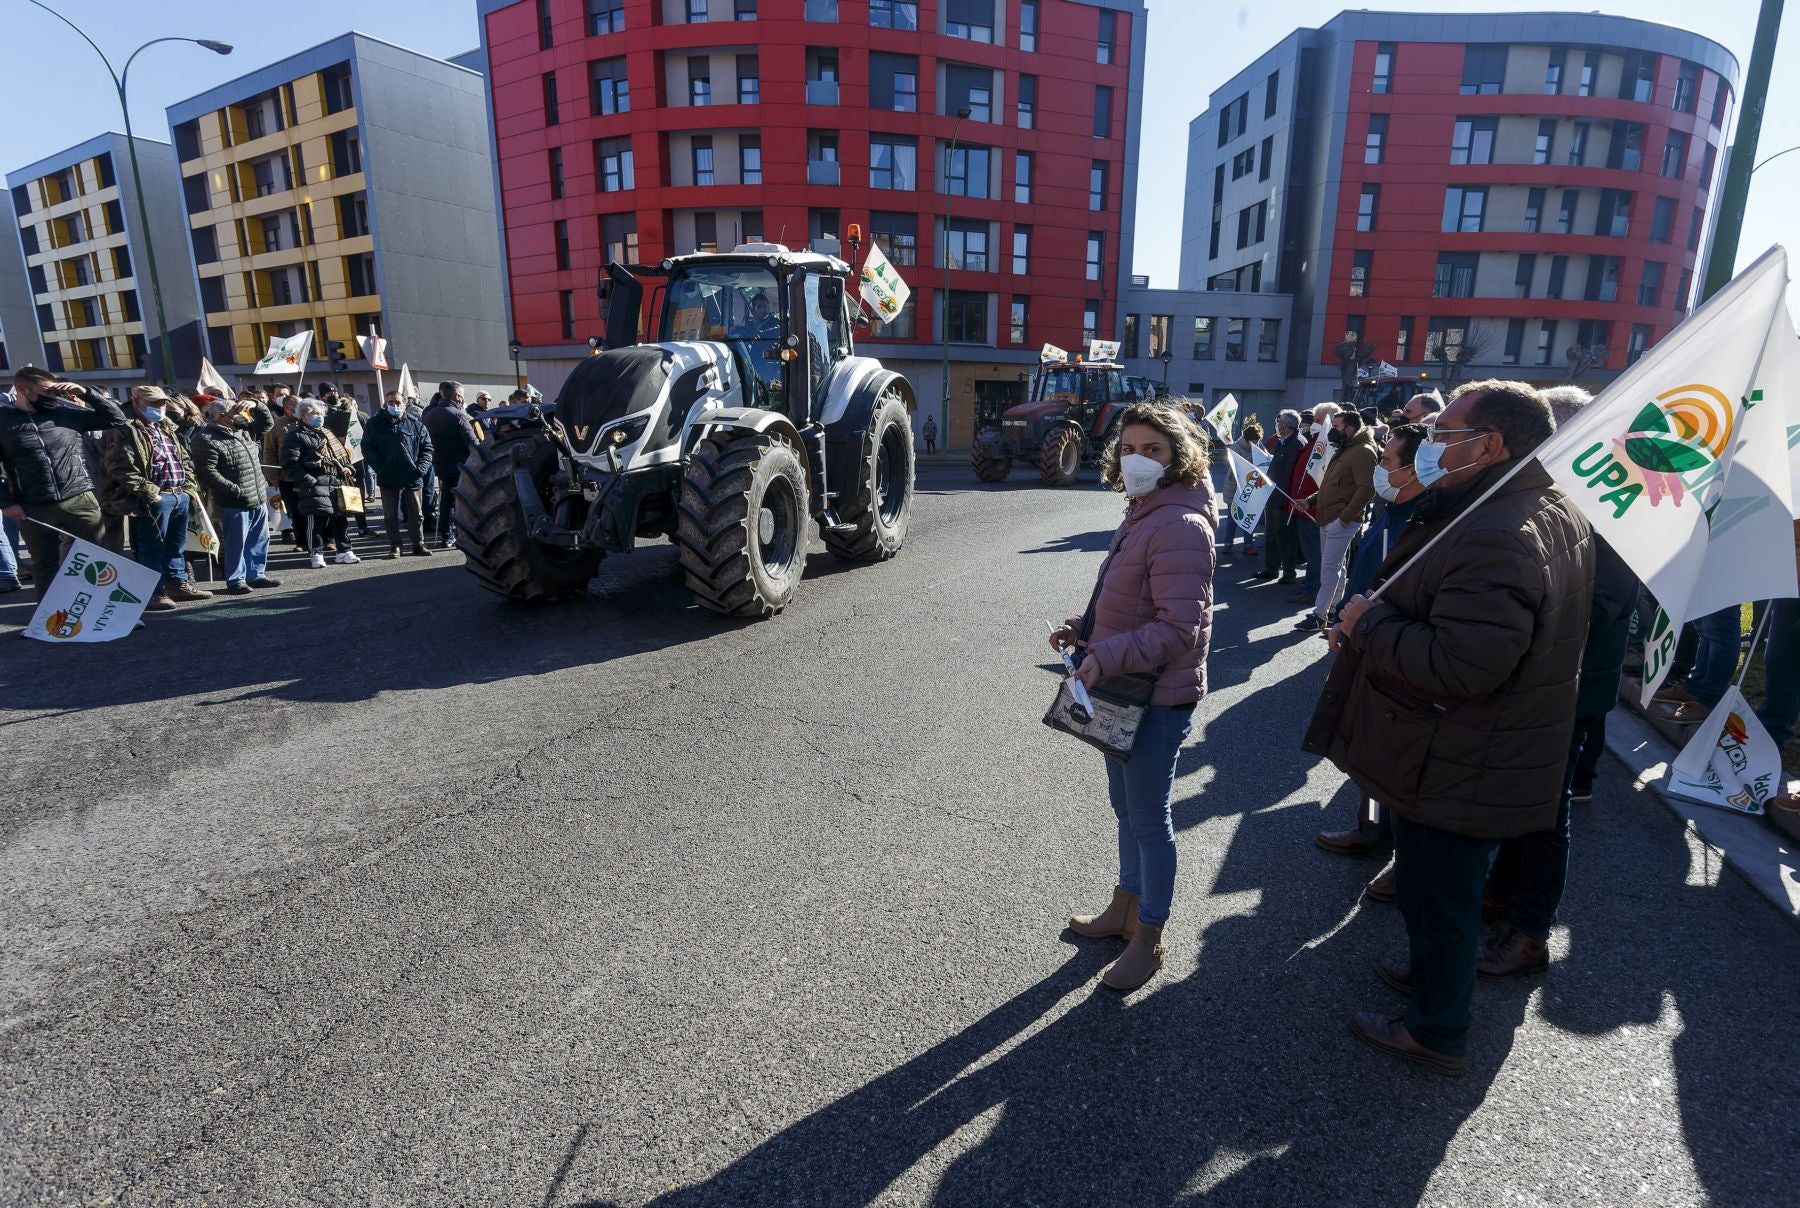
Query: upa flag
[
  {"x": 202, "y": 537},
  {"x": 408, "y": 391},
  {"x": 1102, "y": 350},
  {"x": 1253, "y": 492},
  {"x": 286, "y": 356},
  {"x": 1318, "y": 459},
  {"x": 1731, "y": 761},
  {"x": 211, "y": 382},
  {"x": 1052, "y": 353},
  {"x": 374, "y": 350},
  {"x": 97, "y": 596},
  {"x": 1223, "y": 416},
  {"x": 882, "y": 287},
  {"x": 1682, "y": 463}
]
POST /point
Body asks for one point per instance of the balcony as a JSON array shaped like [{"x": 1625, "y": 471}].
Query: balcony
[
  {"x": 822, "y": 172},
  {"x": 821, "y": 92}
]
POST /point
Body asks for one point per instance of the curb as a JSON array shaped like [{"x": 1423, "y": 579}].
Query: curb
[{"x": 1747, "y": 843}]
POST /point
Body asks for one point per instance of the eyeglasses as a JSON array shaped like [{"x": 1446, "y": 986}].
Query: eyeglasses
[{"x": 1437, "y": 432}]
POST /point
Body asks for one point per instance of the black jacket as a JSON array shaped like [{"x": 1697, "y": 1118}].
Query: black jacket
[
  {"x": 399, "y": 450},
  {"x": 1609, "y": 631},
  {"x": 41, "y": 451},
  {"x": 1281, "y": 462},
  {"x": 228, "y": 461},
  {"x": 452, "y": 436},
  {"x": 317, "y": 463}
]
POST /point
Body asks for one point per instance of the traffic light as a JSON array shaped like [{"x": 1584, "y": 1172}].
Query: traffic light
[{"x": 334, "y": 349}]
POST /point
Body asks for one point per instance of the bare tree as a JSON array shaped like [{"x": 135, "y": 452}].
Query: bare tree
[
  {"x": 1583, "y": 357},
  {"x": 1454, "y": 359},
  {"x": 1351, "y": 354}
]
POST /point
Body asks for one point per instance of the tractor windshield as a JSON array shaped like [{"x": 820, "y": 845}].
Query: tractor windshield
[
  {"x": 738, "y": 304},
  {"x": 1058, "y": 381}
]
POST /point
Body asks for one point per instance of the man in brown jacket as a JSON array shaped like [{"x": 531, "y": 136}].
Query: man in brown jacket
[
  {"x": 1453, "y": 697},
  {"x": 150, "y": 482},
  {"x": 1340, "y": 504}
]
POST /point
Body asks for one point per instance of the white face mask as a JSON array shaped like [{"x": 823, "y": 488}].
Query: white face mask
[
  {"x": 1141, "y": 474},
  {"x": 1317, "y": 429}
]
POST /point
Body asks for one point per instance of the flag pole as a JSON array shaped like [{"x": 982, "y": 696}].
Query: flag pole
[{"x": 1762, "y": 623}]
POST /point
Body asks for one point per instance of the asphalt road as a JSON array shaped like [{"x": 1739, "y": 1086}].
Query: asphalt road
[{"x": 374, "y": 890}]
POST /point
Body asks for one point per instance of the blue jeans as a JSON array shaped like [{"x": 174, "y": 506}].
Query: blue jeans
[
  {"x": 1781, "y": 671},
  {"x": 1716, "y": 661},
  {"x": 243, "y": 543},
  {"x": 1308, "y": 532},
  {"x": 431, "y": 502},
  {"x": 1140, "y": 799},
  {"x": 160, "y": 537},
  {"x": 9, "y": 548}
]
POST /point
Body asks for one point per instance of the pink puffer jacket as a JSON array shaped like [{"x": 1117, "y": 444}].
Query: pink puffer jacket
[{"x": 1155, "y": 607}]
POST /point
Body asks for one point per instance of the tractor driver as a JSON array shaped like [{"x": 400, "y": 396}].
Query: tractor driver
[{"x": 762, "y": 323}]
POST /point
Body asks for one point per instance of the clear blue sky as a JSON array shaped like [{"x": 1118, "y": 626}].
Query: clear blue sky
[{"x": 1195, "y": 45}]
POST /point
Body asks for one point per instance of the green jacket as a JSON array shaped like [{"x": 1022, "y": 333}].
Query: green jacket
[{"x": 125, "y": 458}]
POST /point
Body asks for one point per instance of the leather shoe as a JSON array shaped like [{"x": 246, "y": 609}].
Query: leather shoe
[
  {"x": 1349, "y": 842},
  {"x": 238, "y": 588},
  {"x": 1388, "y": 1033},
  {"x": 1514, "y": 954},
  {"x": 265, "y": 582},
  {"x": 1261, "y": 576},
  {"x": 1397, "y": 974},
  {"x": 1381, "y": 889}
]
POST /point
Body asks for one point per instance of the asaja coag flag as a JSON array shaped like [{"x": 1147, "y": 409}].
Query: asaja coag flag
[{"x": 97, "y": 596}]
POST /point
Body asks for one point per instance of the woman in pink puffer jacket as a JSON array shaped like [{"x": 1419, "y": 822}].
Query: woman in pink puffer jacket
[{"x": 1152, "y": 612}]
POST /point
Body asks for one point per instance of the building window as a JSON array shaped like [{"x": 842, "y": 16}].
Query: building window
[
  {"x": 1017, "y": 323},
  {"x": 1021, "y": 251},
  {"x": 1594, "y": 333},
  {"x": 706, "y": 231},
  {"x": 346, "y": 154},
  {"x": 1455, "y": 276},
  {"x": 1203, "y": 338},
  {"x": 1590, "y": 71},
  {"x": 897, "y": 235},
  {"x": 1463, "y": 209},
  {"x": 552, "y": 115},
  {"x": 1674, "y": 159},
  {"x": 1534, "y": 211},
  {"x": 1484, "y": 70},
  {"x": 1650, "y": 287},
  {"x": 1693, "y": 241},
  {"x": 1640, "y": 343},
  {"x": 1559, "y": 274},
  {"x": 353, "y": 215},
  {"x": 1268, "y": 154},
  {"x": 1161, "y": 329},
  {"x": 894, "y": 14},
  {"x": 1545, "y": 146},
  {"x": 1515, "y": 341},
  {"x": 1638, "y": 81},
  {"x": 1682, "y": 291},
  {"x": 1027, "y": 101},
  {"x": 1706, "y": 166},
  {"x": 1384, "y": 68},
  {"x": 1243, "y": 163},
  {"x": 1103, "y": 43},
  {"x": 1721, "y": 96},
  {"x": 1444, "y": 338},
  {"x": 1565, "y": 217},
  {"x": 1525, "y": 275},
  {"x": 699, "y": 80},
  {"x": 562, "y": 243},
  {"x": 1268, "y": 340},
  {"x": 566, "y": 305},
  {"x": 1271, "y": 94},
  {"x": 1403, "y": 340},
  {"x": 906, "y": 91},
  {"x": 605, "y": 17},
  {"x": 556, "y": 173},
  {"x": 702, "y": 154},
  {"x": 1096, "y": 248},
  {"x": 1129, "y": 347},
  {"x": 981, "y": 104},
  {"x": 966, "y": 314},
  {"x": 1022, "y": 177},
  {"x": 1546, "y": 343},
  {"x": 750, "y": 159},
  {"x": 971, "y": 19},
  {"x": 1360, "y": 265},
  {"x": 1627, "y": 150},
  {"x": 1376, "y": 139},
  {"x": 1602, "y": 280},
  {"x": 546, "y": 33},
  {"x": 1662, "y": 220},
  {"x": 1553, "y": 74},
  {"x": 612, "y": 91},
  {"x": 967, "y": 244},
  {"x": 1367, "y": 206},
  {"x": 749, "y": 80},
  {"x": 1578, "y": 145},
  {"x": 893, "y": 164},
  {"x": 1234, "y": 338},
  {"x": 1097, "y": 185},
  {"x": 1090, "y": 320},
  {"x": 613, "y": 165},
  {"x": 1474, "y": 140},
  {"x": 967, "y": 174},
  {"x": 1687, "y": 86},
  {"x": 1614, "y": 216},
  {"x": 1028, "y": 25},
  {"x": 696, "y": 11},
  {"x": 1102, "y": 111},
  {"x": 618, "y": 234}
]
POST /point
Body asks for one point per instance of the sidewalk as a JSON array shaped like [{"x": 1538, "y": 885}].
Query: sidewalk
[{"x": 1750, "y": 845}]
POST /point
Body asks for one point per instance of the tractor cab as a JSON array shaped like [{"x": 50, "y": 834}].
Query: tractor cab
[
  {"x": 1386, "y": 394},
  {"x": 1088, "y": 392}
]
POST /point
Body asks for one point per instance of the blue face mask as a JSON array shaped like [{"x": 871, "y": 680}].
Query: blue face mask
[
  {"x": 153, "y": 414},
  {"x": 394, "y": 411},
  {"x": 1428, "y": 462},
  {"x": 315, "y": 421}
]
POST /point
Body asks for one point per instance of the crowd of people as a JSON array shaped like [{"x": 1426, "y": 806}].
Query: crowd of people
[
  {"x": 267, "y": 465},
  {"x": 1467, "y": 703}
]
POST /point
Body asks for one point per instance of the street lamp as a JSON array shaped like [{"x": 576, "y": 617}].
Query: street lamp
[
  {"x": 1775, "y": 156},
  {"x": 518, "y": 378},
  {"x": 119, "y": 79},
  {"x": 1165, "y": 358},
  {"x": 949, "y": 154}
]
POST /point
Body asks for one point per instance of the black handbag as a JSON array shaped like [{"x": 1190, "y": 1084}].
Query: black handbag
[{"x": 1119, "y": 701}]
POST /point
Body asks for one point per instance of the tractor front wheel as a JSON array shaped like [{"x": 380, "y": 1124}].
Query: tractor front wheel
[
  {"x": 875, "y": 517},
  {"x": 743, "y": 523},
  {"x": 990, "y": 466},
  {"x": 492, "y": 531},
  {"x": 1060, "y": 461}
]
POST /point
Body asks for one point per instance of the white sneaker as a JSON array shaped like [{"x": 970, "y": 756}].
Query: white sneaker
[
  {"x": 348, "y": 558},
  {"x": 318, "y": 561}
]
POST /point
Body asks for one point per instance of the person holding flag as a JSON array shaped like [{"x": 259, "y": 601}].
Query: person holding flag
[{"x": 1452, "y": 700}]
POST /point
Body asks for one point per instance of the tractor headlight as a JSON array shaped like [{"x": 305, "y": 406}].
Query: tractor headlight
[{"x": 624, "y": 432}]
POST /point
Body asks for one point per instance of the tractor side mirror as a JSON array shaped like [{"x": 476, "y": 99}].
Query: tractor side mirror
[{"x": 831, "y": 295}]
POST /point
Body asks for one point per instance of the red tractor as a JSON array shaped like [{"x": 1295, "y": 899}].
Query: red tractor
[{"x": 1073, "y": 413}]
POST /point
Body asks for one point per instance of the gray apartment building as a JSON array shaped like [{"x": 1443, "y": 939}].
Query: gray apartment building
[{"x": 346, "y": 189}]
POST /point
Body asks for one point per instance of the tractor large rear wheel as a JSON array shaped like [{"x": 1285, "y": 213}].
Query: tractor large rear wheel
[
  {"x": 989, "y": 466},
  {"x": 1060, "y": 461},
  {"x": 876, "y": 514},
  {"x": 743, "y": 523},
  {"x": 491, "y": 525}
]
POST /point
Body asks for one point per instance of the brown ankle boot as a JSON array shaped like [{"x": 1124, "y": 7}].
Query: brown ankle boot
[
  {"x": 1117, "y": 919},
  {"x": 1143, "y": 956}
]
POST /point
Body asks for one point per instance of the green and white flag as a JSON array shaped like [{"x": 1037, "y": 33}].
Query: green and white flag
[
  {"x": 211, "y": 382},
  {"x": 286, "y": 356},
  {"x": 97, "y": 596},
  {"x": 882, "y": 287},
  {"x": 202, "y": 537},
  {"x": 1682, "y": 463},
  {"x": 1731, "y": 761},
  {"x": 1253, "y": 492},
  {"x": 1223, "y": 416}
]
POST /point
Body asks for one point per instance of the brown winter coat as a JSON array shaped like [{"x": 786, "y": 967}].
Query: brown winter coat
[
  {"x": 1455, "y": 703},
  {"x": 125, "y": 457},
  {"x": 1349, "y": 480},
  {"x": 1155, "y": 603}
]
